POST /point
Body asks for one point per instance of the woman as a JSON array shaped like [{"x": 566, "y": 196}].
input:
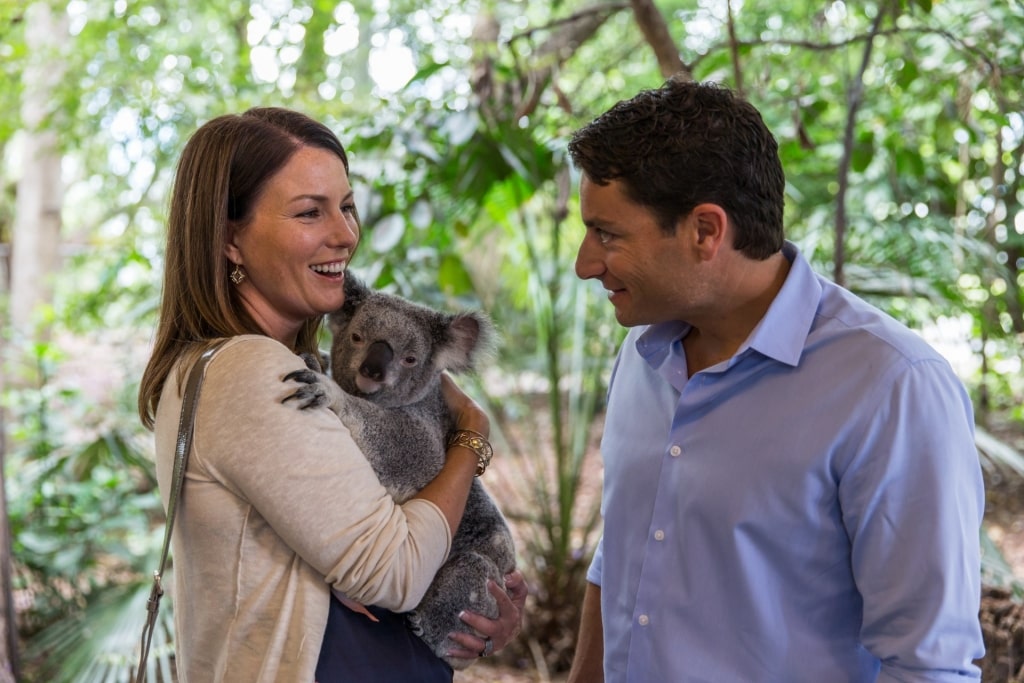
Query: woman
[{"x": 279, "y": 508}]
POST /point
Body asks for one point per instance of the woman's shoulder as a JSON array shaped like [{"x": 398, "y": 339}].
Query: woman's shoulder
[
  {"x": 251, "y": 364},
  {"x": 247, "y": 349}
]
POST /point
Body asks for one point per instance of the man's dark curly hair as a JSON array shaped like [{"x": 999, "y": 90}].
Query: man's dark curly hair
[{"x": 685, "y": 144}]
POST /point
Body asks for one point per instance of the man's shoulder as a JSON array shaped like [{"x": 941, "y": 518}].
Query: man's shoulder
[{"x": 843, "y": 314}]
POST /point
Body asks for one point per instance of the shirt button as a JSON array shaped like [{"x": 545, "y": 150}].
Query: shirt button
[
  {"x": 644, "y": 620},
  {"x": 659, "y": 535},
  {"x": 675, "y": 451}
]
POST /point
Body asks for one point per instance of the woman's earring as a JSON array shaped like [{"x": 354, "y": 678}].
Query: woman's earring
[{"x": 237, "y": 275}]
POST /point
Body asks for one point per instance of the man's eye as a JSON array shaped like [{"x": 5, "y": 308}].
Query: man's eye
[{"x": 602, "y": 236}]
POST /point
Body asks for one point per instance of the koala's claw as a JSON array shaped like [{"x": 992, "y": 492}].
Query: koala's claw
[
  {"x": 310, "y": 396},
  {"x": 304, "y": 376}
]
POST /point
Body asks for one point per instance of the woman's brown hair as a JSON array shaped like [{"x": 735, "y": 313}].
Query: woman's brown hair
[{"x": 222, "y": 172}]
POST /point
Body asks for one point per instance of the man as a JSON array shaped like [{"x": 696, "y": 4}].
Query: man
[{"x": 792, "y": 493}]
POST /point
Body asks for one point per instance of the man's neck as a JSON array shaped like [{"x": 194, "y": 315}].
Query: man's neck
[{"x": 752, "y": 288}]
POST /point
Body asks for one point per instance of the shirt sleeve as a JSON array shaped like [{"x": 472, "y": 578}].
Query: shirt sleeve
[
  {"x": 594, "y": 572},
  {"x": 301, "y": 471},
  {"x": 596, "y": 564},
  {"x": 912, "y": 503}
]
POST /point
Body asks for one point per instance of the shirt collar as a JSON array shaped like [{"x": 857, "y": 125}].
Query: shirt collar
[{"x": 780, "y": 334}]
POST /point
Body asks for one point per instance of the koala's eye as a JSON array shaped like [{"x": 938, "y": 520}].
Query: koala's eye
[
  {"x": 357, "y": 338},
  {"x": 409, "y": 361}
]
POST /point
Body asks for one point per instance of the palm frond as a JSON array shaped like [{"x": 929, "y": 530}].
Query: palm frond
[
  {"x": 997, "y": 453},
  {"x": 100, "y": 644}
]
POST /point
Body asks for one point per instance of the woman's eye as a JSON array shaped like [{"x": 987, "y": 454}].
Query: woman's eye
[
  {"x": 312, "y": 213},
  {"x": 348, "y": 208}
]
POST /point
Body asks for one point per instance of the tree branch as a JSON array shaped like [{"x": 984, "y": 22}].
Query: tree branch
[
  {"x": 572, "y": 32},
  {"x": 735, "y": 50},
  {"x": 652, "y": 24},
  {"x": 813, "y": 46},
  {"x": 854, "y": 98},
  {"x": 604, "y": 11}
]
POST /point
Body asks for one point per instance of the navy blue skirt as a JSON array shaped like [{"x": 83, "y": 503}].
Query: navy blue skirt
[{"x": 357, "y": 650}]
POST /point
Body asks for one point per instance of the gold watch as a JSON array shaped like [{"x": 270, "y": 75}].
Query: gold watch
[{"x": 475, "y": 442}]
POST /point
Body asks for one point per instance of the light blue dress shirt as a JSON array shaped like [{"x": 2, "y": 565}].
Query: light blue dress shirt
[{"x": 806, "y": 512}]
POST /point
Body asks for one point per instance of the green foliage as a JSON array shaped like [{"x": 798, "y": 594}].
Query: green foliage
[
  {"x": 466, "y": 199},
  {"x": 99, "y": 644},
  {"x": 81, "y": 510},
  {"x": 12, "y": 55}
]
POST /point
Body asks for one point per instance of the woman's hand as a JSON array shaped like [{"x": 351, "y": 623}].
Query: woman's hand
[
  {"x": 467, "y": 414},
  {"x": 496, "y": 634}
]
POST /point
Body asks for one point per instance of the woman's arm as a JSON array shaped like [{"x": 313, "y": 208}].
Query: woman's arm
[
  {"x": 307, "y": 481},
  {"x": 450, "y": 488}
]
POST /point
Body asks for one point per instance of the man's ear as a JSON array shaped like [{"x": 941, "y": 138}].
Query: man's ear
[{"x": 710, "y": 223}]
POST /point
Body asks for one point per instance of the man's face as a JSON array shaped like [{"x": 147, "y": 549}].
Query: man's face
[{"x": 650, "y": 276}]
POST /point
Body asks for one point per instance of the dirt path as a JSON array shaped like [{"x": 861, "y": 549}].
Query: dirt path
[{"x": 487, "y": 673}]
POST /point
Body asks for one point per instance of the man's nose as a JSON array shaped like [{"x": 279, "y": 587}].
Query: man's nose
[{"x": 588, "y": 262}]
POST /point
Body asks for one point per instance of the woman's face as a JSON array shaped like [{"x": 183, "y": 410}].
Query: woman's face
[{"x": 296, "y": 246}]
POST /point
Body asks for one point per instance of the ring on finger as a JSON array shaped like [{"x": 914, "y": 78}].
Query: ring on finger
[{"x": 488, "y": 648}]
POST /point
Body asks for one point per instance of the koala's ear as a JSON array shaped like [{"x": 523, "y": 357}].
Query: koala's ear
[
  {"x": 356, "y": 293},
  {"x": 355, "y": 290},
  {"x": 470, "y": 336}
]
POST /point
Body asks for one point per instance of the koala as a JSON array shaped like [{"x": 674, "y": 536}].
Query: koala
[{"x": 386, "y": 359}]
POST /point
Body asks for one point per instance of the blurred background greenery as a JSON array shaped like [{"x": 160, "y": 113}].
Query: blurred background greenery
[{"x": 900, "y": 123}]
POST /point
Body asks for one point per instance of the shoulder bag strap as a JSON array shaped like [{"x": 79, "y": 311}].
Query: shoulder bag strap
[{"x": 185, "y": 428}]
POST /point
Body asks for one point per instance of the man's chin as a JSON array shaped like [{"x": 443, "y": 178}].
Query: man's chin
[
  {"x": 630, "y": 317},
  {"x": 625, "y": 319}
]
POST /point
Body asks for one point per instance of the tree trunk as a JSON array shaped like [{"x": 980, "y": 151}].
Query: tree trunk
[
  {"x": 34, "y": 253},
  {"x": 8, "y": 628},
  {"x": 36, "y": 230}
]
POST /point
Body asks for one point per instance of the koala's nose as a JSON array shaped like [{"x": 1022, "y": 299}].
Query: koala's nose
[{"x": 375, "y": 364}]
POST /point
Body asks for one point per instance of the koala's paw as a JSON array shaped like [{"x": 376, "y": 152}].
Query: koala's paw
[
  {"x": 313, "y": 394},
  {"x": 415, "y": 622},
  {"x": 313, "y": 362},
  {"x": 460, "y": 584}
]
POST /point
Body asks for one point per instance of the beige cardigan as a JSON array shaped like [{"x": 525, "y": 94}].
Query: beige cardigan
[{"x": 279, "y": 506}]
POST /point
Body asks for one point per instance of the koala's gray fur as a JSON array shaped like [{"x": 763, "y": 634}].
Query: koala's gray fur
[{"x": 387, "y": 356}]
